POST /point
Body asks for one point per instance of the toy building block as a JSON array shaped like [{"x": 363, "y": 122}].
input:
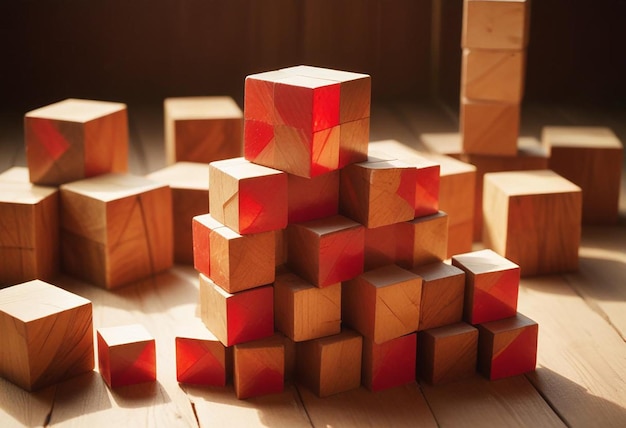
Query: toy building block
[
  {"x": 495, "y": 24},
  {"x": 578, "y": 153},
  {"x": 126, "y": 355},
  {"x": 201, "y": 359},
  {"x": 280, "y": 237},
  {"x": 259, "y": 367},
  {"x": 378, "y": 192},
  {"x": 443, "y": 292},
  {"x": 530, "y": 156},
  {"x": 75, "y": 139},
  {"x": 389, "y": 364},
  {"x": 115, "y": 229},
  {"x": 447, "y": 353},
  {"x": 489, "y": 128},
  {"x": 29, "y": 220},
  {"x": 382, "y": 304},
  {"x": 236, "y": 262},
  {"x": 507, "y": 347},
  {"x": 422, "y": 240},
  {"x": 47, "y": 335},
  {"x": 491, "y": 286},
  {"x": 493, "y": 75},
  {"x": 189, "y": 182},
  {"x": 240, "y": 198},
  {"x": 353, "y": 139},
  {"x": 303, "y": 311},
  {"x": 330, "y": 250},
  {"x": 380, "y": 246},
  {"x": 331, "y": 364},
  {"x": 312, "y": 198},
  {"x": 202, "y": 129},
  {"x": 236, "y": 318},
  {"x": 534, "y": 219}
]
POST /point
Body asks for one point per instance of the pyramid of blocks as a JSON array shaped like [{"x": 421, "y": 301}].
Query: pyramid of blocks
[{"x": 323, "y": 261}]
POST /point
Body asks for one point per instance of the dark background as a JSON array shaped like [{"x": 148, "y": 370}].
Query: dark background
[{"x": 141, "y": 51}]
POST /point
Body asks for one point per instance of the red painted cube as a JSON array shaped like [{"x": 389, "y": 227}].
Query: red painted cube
[
  {"x": 313, "y": 198},
  {"x": 126, "y": 355},
  {"x": 389, "y": 364},
  {"x": 259, "y": 367}
]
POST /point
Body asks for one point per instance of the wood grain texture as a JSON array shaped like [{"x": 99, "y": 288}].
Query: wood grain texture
[
  {"x": 47, "y": 335},
  {"x": 389, "y": 364},
  {"x": 489, "y": 24},
  {"x": 493, "y": 75},
  {"x": 489, "y": 128},
  {"x": 534, "y": 219},
  {"x": 259, "y": 367},
  {"x": 422, "y": 240}
]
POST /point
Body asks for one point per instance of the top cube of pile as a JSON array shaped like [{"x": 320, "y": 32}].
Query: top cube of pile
[{"x": 294, "y": 118}]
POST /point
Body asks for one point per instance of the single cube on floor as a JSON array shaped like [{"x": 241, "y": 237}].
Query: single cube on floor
[
  {"x": 126, "y": 355},
  {"x": 259, "y": 367},
  {"x": 46, "y": 335},
  {"x": 389, "y": 364}
]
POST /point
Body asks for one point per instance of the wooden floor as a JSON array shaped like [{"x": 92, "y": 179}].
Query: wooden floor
[{"x": 580, "y": 379}]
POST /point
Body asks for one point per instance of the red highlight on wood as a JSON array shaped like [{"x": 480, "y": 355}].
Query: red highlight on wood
[
  {"x": 259, "y": 367},
  {"x": 389, "y": 364}
]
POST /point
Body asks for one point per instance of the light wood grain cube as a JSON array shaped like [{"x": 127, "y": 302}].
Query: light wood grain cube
[
  {"x": 116, "y": 229},
  {"x": 578, "y": 154},
  {"x": 330, "y": 250},
  {"x": 126, "y": 355},
  {"x": 259, "y": 367},
  {"x": 75, "y": 139},
  {"x": 534, "y": 219},
  {"x": 29, "y": 220},
  {"x": 493, "y": 75},
  {"x": 443, "y": 292},
  {"x": 202, "y": 129},
  {"x": 382, "y": 304},
  {"x": 448, "y": 353},
  {"x": 303, "y": 311},
  {"x": 422, "y": 240},
  {"x": 46, "y": 335},
  {"x": 507, "y": 347},
  {"x": 495, "y": 24},
  {"x": 378, "y": 192},
  {"x": 330, "y": 365},
  {"x": 312, "y": 198},
  {"x": 189, "y": 182},
  {"x": 389, "y": 364},
  {"x": 236, "y": 318},
  {"x": 353, "y": 140},
  {"x": 236, "y": 262},
  {"x": 489, "y": 128},
  {"x": 491, "y": 285},
  {"x": 240, "y": 198}
]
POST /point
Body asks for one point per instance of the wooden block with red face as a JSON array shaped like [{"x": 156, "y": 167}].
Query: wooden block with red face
[
  {"x": 126, "y": 355},
  {"x": 422, "y": 240},
  {"x": 507, "y": 347},
  {"x": 313, "y": 198},
  {"x": 389, "y": 364},
  {"x": 330, "y": 250},
  {"x": 259, "y": 367},
  {"x": 491, "y": 285}
]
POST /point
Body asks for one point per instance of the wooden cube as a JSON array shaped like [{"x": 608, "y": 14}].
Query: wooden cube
[
  {"x": 258, "y": 105},
  {"x": 312, "y": 198},
  {"x": 443, "y": 292},
  {"x": 303, "y": 311},
  {"x": 382, "y": 304},
  {"x": 201, "y": 359},
  {"x": 29, "y": 220},
  {"x": 236, "y": 262},
  {"x": 389, "y": 364},
  {"x": 422, "y": 240},
  {"x": 259, "y": 367},
  {"x": 380, "y": 246},
  {"x": 236, "y": 318},
  {"x": 75, "y": 139},
  {"x": 353, "y": 140},
  {"x": 189, "y": 182},
  {"x": 507, "y": 347},
  {"x": 447, "y": 353},
  {"x": 126, "y": 355},
  {"x": 489, "y": 128},
  {"x": 330, "y": 250},
  {"x": 202, "y": 226},
  {"x": 493, "y": 75},
  {"x": 496, "y": 24},
  {"x": 116, "y": 229},
  {"x": 491, "y": 286},
  {"x": 202, "y": 129},
  {"x": 378, "y": 192},
  {"x": 240, "y": 198},
  {"x": 534, "y": 219},
  {"x": 578, "y": 153},
  {"x": 330, "y": 365},
  {"x": 46, "y": 335}
]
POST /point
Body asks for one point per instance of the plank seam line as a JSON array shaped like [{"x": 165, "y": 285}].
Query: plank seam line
[
  {"x": 547, "y": 400},
  {"x": 306, "y": 411},
  {"x": 192, "y": 404},
  {"x": 419, "y": 387},
  {"x": 46, "y": 422}
]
